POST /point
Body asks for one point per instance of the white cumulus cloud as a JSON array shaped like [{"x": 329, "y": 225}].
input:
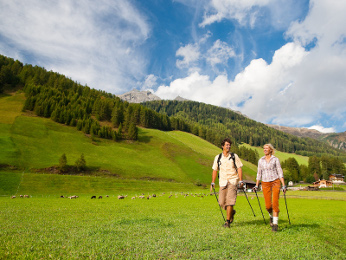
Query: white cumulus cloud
[
  {"x": 189, "y": 53},
  {"x": 94, "y": 42},
  {"x": 322, "y": 129},
  {"x": 300, "y": 86},
  {"x": 220, "y": 52}
]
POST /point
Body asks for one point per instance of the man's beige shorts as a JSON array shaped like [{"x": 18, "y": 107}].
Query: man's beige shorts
[{"x": 227, "y": 195}]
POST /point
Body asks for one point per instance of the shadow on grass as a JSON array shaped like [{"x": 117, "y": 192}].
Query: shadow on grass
[
  {"x": 250, "y": 222},
  {"x": 283, "y": 224},
  {"x": 146, "y": 221},
  {"x": 144, "y": 139},
  {"x": 300, "y": 226}
]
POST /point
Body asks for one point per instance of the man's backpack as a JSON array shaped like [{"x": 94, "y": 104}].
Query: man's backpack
[{"x": 231, "y": 157}]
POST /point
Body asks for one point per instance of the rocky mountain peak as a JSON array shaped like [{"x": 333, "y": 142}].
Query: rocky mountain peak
[{"x": 137, "y": 96}]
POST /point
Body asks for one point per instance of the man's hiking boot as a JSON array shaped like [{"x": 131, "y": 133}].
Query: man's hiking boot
[
  {"x": 227, "y": 224},
  {"x": 271, "y": 221},
  {"x": 275, "y": 228},
  {"x": 232, "y": 216}
]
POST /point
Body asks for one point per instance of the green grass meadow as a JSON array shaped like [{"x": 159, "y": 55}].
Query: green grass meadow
[{"x": 179, "y": 227}]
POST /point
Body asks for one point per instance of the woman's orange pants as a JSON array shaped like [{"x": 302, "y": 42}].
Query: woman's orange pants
[{"x": 271, "y": 191}]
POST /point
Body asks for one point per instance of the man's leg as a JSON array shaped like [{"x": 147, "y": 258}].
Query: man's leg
[
  {"x": 229, "y": 212},
  {"x": 230, "y": 202}
]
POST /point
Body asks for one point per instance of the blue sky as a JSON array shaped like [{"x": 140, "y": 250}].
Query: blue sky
[{"x": 277, "y": 61}]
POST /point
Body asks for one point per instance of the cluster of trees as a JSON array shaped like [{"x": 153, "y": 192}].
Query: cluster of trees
[
  {"x": 318, "y": 168},
  {"x": 80, "y": 164},
  {"x": 94, "y": 112},
  {"x": 81, "y": 107},
  {"x": 246, "y": 154},
  {"x": 9, "y": 72}
]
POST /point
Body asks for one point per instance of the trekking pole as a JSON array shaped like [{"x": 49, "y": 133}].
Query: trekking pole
[
  {"x": 289, "y": 221},
  {"x": 249, "y": 203},
  {"x": 260, "y": 208},
  {"x": 219, "y": 204}
]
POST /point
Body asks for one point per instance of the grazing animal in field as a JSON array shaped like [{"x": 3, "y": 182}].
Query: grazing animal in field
[
  {"x": 73, "y": 197},
  {"x": 13, "y": 197},
  {"x": 100, "y": 197},
  {"x": 120, "y": 197},
  {"x": 21, "y": 196},
  {"x": 107, "y": 196},
  {"x": 154, "y": 195},
  {"x": 62, "y": 196},
  {"x": 26, "y": 196},
  {"x": 170, "y": 196},
  {"x": 141, "y": 197},
  {"x": 93, "y": 197},
  {"x": 133, "y": 198}
]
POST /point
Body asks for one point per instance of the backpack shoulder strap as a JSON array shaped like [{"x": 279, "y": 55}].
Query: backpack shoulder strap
[
  {"x": 219, "y": 161},
  {"x": 218, "y": 165},
  {"x": 233, "y": 158}
]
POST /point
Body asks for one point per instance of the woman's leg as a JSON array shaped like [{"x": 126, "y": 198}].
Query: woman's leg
[
  {"x": 276, "y": 193},
  {"x": 267, "y": 193}
]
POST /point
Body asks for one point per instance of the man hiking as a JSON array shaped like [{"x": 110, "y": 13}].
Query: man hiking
[{"x": 230, "y": 174}]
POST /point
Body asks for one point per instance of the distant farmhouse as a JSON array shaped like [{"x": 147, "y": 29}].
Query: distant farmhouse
[
  {"x": 337, "y": 178},
  {"x": 323, "y": 184}
]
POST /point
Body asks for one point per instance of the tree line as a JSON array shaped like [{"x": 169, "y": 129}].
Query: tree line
[
  {"x": 218, "y": 121},
  {"x": 318, "y": 168}
]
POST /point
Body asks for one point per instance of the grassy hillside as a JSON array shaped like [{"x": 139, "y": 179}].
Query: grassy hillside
[
  {"x": 302, "y": 160},
  {"x": 28, "y": 143},
  {"x": 159, "y": 160}
]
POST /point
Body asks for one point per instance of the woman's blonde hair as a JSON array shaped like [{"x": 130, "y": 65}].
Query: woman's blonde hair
[{"x": 272, "y": 150}]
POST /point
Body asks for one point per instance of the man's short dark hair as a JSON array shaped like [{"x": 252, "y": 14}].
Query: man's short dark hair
[{"x": 226, "y": 140}]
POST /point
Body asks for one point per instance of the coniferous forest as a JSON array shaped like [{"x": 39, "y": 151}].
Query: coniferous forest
[
  {"x": 212, "y": 122},
  {"x": 100, "y": 114}
]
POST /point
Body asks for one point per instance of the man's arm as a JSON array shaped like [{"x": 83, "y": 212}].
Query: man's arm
[
  {"x": 213, "y": 178},
  {"x": 240, "y": 175}
]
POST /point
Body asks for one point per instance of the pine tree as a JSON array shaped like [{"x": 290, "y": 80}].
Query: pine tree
[
  {"x": 120, "y": 131},
  {"x": 63, "y": 163},
  {"x": 132, "y": 132},
  {"x": 81, "y": 163}
]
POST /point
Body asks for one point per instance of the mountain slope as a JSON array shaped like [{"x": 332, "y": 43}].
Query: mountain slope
[
  {"x": 336, "y": 140},
  {"x": 299, "y": 131}
]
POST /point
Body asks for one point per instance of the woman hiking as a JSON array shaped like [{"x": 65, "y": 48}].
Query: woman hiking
[{"x": 270, "y": 172}]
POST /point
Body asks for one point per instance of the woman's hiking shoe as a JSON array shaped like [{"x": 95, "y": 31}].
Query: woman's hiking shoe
[
  {"x": 227, "y": 224},
  {"x": 275, "y": 228}
]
